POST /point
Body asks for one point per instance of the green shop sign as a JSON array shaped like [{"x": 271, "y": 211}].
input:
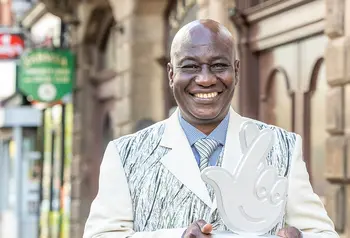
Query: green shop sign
[{"x": 46, "y": 75}]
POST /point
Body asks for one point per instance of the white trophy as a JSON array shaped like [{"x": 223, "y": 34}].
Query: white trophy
[{"x": 250, "y": 201}]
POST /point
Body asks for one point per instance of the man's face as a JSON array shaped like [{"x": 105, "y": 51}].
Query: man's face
[{"x": 203, "y": 75}]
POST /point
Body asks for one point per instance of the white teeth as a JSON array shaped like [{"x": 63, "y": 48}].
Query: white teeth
[{"x": 206, "y": 95}]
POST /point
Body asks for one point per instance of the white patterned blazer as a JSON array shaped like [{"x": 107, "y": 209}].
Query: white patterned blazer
[{"x": 150, "y": 184}]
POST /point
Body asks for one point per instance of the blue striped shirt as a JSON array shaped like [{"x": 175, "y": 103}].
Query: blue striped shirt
[{"x": 218, "y": 134}]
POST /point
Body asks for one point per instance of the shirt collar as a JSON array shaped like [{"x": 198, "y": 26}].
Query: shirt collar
[{"x": 193, "y": 134}]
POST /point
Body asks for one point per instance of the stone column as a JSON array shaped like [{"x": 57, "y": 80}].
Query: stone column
[
  {"x": 122, "y": 111},
  {"x": 148, "y": 74},
  {"x": 337, "y": 61},
  {"x": 85, "y": 163},
  {"x": 140, "y": 43},
  {"x": 80, "y": 190}
]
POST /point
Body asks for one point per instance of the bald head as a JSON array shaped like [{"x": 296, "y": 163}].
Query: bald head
[
  {"x": 203, "y": 73},
  {"x": 198, "y": 33}
]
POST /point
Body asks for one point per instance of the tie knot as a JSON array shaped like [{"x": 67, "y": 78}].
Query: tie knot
[{"x": 206, "y": 147}]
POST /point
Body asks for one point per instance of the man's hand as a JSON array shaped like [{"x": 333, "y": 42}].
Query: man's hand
[
  {"x": 290, "y": 232},
  {"x": 198, "y": 229}
]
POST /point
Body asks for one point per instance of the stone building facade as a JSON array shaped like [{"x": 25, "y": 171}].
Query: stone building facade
[{"x": 295, "y": 58}]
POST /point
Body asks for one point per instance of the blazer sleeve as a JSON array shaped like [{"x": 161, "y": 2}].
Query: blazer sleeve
[
  {"x": 305, "y": 210},
  {"x": 111, "y": 213}
]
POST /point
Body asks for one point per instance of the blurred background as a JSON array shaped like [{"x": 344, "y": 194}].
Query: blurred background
[{"x": 75, "y": 74}]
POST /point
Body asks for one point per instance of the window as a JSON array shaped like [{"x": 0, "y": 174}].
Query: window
[{"x": 246, "y": 4}]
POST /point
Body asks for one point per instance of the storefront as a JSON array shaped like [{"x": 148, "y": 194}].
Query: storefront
[
  {"x": 20, "y": 171},
  {"x": 57, "y": 157},
  {"x": 46, "y": 35},
  {"x": 14, "y": 136},
  {"x": 12, "y": 45}
]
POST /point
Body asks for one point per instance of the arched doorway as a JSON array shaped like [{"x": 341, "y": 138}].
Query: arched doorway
[
  {"x": 107, "y": 64},
  {"x": 102, "y": 55},
  {"x": 96, "y": 103},
  {"x": 277, "y": 86},
  {"x": 286, "y": 96},
  {"x": 278, "y": 100}
]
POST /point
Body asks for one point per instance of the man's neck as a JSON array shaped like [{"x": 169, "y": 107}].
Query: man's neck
[
  {"x": 206, "y": 128},
  {"x": 203, "y": 126}
]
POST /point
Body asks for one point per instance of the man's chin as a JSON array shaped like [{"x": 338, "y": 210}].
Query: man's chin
[{"x": 205, "y": 116}]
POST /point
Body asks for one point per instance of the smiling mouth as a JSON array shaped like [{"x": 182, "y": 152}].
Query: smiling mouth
[{"x": 206, "y": 96}]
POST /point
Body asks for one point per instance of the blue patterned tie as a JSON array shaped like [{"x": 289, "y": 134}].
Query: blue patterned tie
[{"x": 205, "y": 148}]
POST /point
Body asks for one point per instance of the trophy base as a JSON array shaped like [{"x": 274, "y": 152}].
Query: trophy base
[{"x": 223, "y": 234}]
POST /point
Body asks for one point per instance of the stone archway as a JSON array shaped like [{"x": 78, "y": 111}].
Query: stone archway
[
  {"x": 96, "y": 22},
  {"x": 99, "y": 98},
  {"x": 277, "y": 96}
]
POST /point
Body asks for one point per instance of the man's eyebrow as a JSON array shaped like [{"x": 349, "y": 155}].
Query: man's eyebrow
[
  {"x": 188, "y": 58},
  {"x": 219, "y": 57}
]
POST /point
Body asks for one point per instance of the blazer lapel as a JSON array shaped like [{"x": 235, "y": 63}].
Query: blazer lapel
[
  {"x": 232, "y": 151},
  {"x": 180, "y": 160}
]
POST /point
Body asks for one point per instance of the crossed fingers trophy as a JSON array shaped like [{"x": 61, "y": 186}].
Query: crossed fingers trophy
[{"x": 250, "y": 201}]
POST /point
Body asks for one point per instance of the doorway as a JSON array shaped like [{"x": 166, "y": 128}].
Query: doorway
[{"x": 293, "y": 90}]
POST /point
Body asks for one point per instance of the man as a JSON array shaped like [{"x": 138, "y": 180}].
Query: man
[{"x": 150, "y": 184}]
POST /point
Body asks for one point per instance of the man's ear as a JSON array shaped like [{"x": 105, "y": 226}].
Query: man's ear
[
  {"x": 170, "y": 74},
  {"x": 237, "y": 65}
]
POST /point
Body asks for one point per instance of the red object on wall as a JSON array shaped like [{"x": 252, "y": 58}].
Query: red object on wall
[{"x": 11, "y": 46}]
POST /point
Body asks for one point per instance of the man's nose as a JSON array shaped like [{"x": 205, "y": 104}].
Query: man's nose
[{"x": 206, "y": 78}]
